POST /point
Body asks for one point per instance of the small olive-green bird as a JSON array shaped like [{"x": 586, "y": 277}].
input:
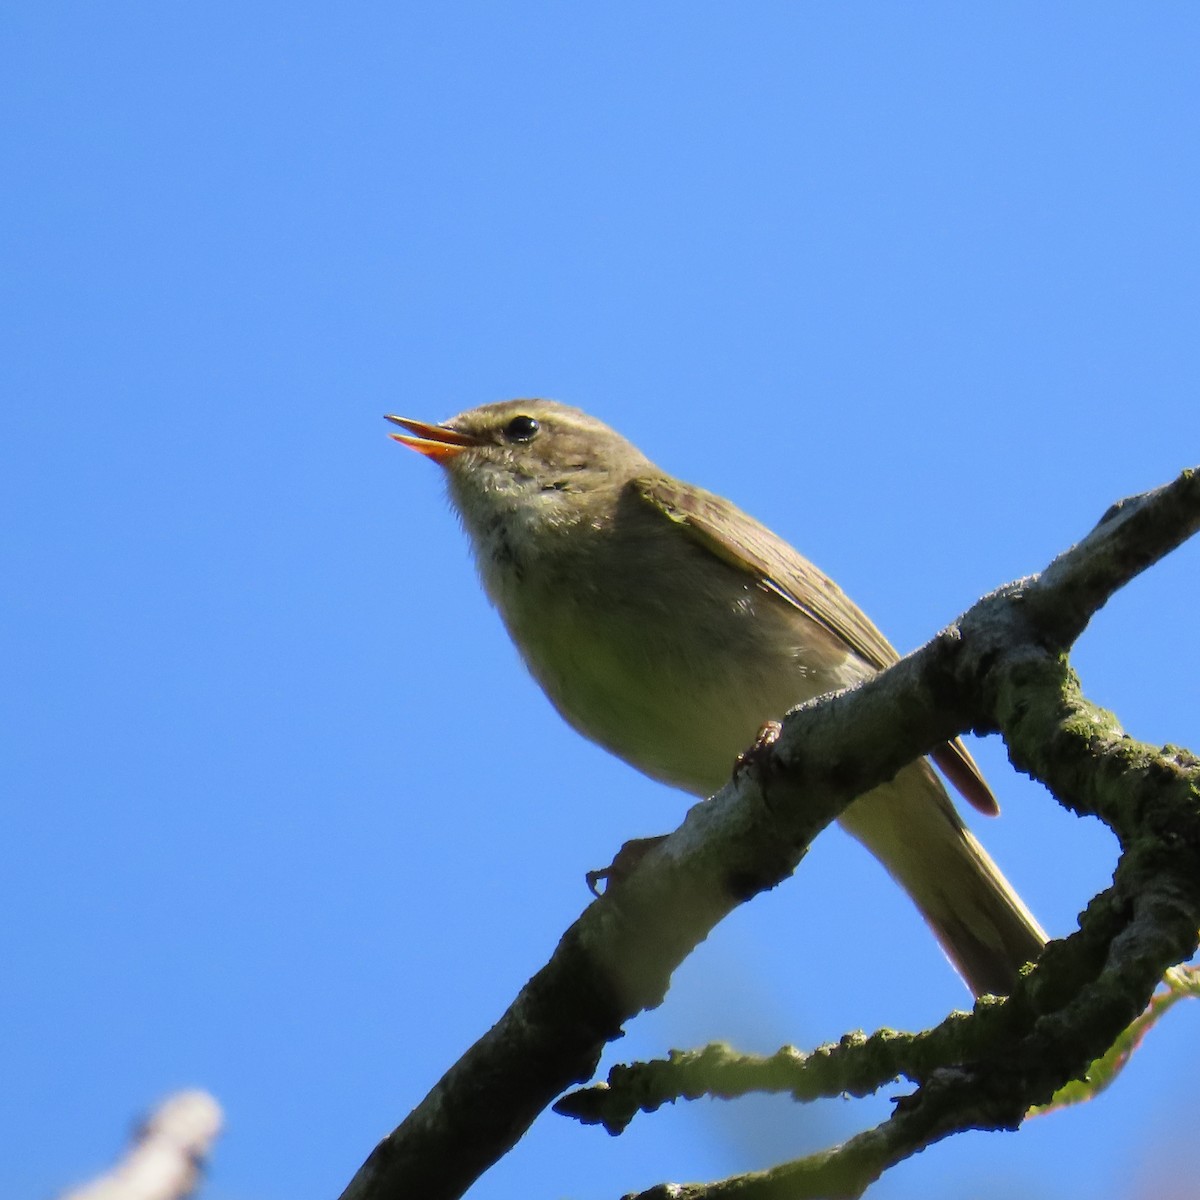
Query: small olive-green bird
[{"x": 668, "y": 626}]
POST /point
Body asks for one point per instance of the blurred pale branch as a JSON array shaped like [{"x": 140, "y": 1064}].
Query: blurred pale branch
[
  {"x": 167, "y": 1154},
  {"x": 1002, "y": 667}
]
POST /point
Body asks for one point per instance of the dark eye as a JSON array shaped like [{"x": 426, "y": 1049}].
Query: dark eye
[{"x": 521, "y": 429}]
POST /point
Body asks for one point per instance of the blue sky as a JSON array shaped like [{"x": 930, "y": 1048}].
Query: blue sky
[{"x": 284, "y": 817}]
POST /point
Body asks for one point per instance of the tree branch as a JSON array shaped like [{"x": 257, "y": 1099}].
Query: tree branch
[
  {"x": 1001, "y": 666},
  {"x": 1064, "y": 1014}
]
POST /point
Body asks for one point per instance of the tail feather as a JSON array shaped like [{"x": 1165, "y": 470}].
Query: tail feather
[{"x": 979, "y": 920}]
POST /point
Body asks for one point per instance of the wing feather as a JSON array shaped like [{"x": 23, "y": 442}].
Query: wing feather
[{"x": 741, "y": 542}]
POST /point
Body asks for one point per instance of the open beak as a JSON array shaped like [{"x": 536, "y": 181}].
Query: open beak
[{"x": 434, "y": 441}]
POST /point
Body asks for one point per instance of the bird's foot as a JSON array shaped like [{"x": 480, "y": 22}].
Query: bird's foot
[
  {"x": 622, "y": 865},
  {"x": 766, "y": 737}
]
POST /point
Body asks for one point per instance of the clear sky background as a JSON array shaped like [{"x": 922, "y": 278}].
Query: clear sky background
[{"x": 283, "y": 816}]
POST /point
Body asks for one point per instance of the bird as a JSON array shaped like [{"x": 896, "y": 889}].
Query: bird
[{"x": 669, "y": 626}]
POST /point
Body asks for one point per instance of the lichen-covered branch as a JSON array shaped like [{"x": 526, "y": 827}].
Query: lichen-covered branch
[
  {"x": 1000, "y": 667},
  {"x": 1085, "y": 991},
  {"x": 857, "y": 1065}
]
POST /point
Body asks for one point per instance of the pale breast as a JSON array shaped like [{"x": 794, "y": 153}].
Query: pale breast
[{"x": 671, "y": 661}]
